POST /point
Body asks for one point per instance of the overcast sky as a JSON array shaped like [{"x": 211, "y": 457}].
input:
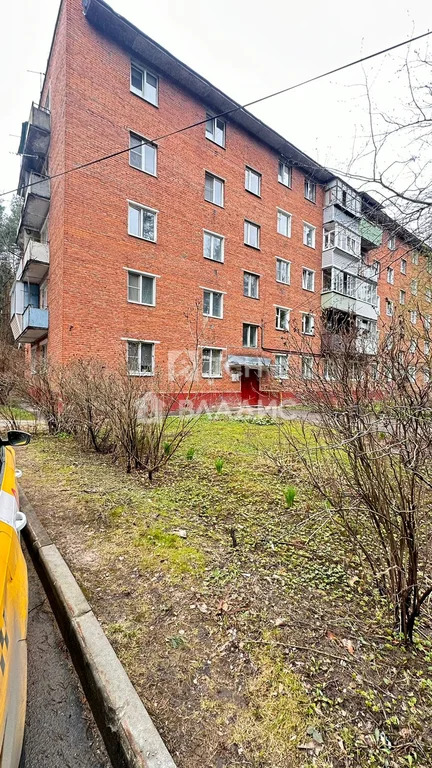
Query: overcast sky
[{"x": 247, "y": 50}]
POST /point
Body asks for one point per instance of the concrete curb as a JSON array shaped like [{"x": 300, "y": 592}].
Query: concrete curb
[{"x": 131, "y": 739}]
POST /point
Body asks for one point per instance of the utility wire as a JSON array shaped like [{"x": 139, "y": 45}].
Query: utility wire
[{"x": 226, "y": 112}]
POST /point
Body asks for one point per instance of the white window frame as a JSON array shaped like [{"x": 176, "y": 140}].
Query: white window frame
[
  {"x": 141, "y": 93},
  {"x": 391, "y": 243},
  {"x": 309, "y": 228},
  {"x": 278, "y": 325},
  {"x": 312, "y": 317},
  {"x": 413, "y": 316},
  {"x": 280, "y": 216},
  {"x": 310, "y": 190},
  {"x": 428, "y": 295},
  {"x": 140, "y": 207},
  {"x": 210, "y": 374},
  {"x": 427, "y": 322},
  {"x": 141, "y": 274},
  {"x": 288, "y": 264},
  {"x": 211, "y": 134},
  {"x": 141, "y": 342},
  {"x": 390, "y": 275},
  {"x": 249, "y": 171},
  {"x": 414, "y": 287},
  {"x": 403, "y": 266},
  {"x": 402, "y": 297},
  {"x": 248, "y": 223},
  {"x": 212, "y": 291},
  {"x": 221, "y": 238},
  {"x": 218, "y": 178},
  {"x": 146, "y": 143},
  {"x": 250, "y": 326},
  {"x": 389, "y": 306},
  {"x": 308, "y": 368},
  {"x": 277, "y": 367},
  {"x": 285, "y": 167},
  {"x": 415, "y": 258},
  {"x": 247, "y": 272},
  {"x": 306, "y": 272}
]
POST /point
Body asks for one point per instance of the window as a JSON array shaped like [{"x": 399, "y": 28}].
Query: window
[
  {"x": 142, "y": 156},
  {"x": 307, "y": 367},
  {"x": 212, "y": 363},
  {"x": 144, "y": 84},
  {"x": 402, "y": 297},
  {"x": 412, "y": 373},
  {"x": 427, "y": 322},
  {"x": 212, "y": 303},
  {"x": 284, "y": 223},
  {"x": 283, "y": 271},
  {"x": 282, "y": 319},
  {"x": 426, "y": 375},
  {"x": 142, "y": 288},
  {"x": 428, "y": 295},
  {"x": 309, "y": 235},
  {"x": 403, "y": 266},
  {"x": 412, "y": 347},
  {"x": 389, "y": 307},
  {"x": 392, "y": 243},
  {"x": 215, "y": 129},
  {"x": 140, "y": 358},
  {"x": 390, "y": 275},
  {"x": 214, "y": 190},
  {"x": 413, "y": 316},
  {"x": 376, "y": 267},
  {"x": 252, "y": 234},
  {"x": 285, "y": 173},
  {"x": 310, "y": 190},
  {"x": 251, "y": 285},
  {"x": 308, "y": 324},
  {"x": 281, "y": 366},
  {"x": 414, "y": 287},
  {"x": 426, "y": 347},
  {"x": 213, "y": 246},
  {"x": 252, "y": 181},
  {"x": 142, "y": 222},
  {"x": 308, "y": 279},
  {"x": 250, "y": 335},
  {"x": 330, "y": 369},
  {"x": 415, "y": 258}
]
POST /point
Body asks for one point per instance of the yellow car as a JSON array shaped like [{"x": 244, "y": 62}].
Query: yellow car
[{"x": 13, "y": 608}]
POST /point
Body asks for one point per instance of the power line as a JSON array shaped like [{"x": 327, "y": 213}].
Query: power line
[{"x": 226, "y": 112}]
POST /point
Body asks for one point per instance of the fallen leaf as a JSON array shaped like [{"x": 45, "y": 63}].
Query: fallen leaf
[
  {"x": 331, "y": 636},
  {"x": 349, "y": 646}
]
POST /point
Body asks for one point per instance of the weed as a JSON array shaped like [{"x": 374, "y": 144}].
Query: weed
[
  {"x": 219, "y": 465},
  {"x": 190, "y": 454},
  {"x": 290, "y": 494}
]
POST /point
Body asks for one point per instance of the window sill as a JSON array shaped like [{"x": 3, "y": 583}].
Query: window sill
[
  {"x": 222, "y": 146},
  {"x": 212, "y": 203},
  {"x": 208, "y": 376},
  {"x": 312, "y": 247},
  {"x": 287, "y": 186},
  {"x": 310, "y": 201},
  {"x": 311, "y": 335},
  {"x": 141, "y": 170},
  {"x": 145, "y": 239},
  {"x": 143, "y": 98},
  {"x": 309, "y": 290},
  {"x": 282, "y": 330},
  {"x": 255, "y": 298},
  {"x": 140, "y": 303},
  {"x": 255, "y": 247},
  {"x": 215, "y": 261},
  {"x": 282, "y": 282},
  {"x": 213, "y": 317},
  {"x": 288, "y": 237},
  {"x": 140, "y": 374},
  {"x": 255, "y": 194}
]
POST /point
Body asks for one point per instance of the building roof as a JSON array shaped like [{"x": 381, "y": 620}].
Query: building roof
[{"x": 125, "y": 34}]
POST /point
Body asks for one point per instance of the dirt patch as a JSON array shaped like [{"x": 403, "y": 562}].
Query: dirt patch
[{"x": 250, "y": 630}]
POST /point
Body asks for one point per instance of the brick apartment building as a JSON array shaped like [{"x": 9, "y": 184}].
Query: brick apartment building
[{"x": 224, "y": 236}]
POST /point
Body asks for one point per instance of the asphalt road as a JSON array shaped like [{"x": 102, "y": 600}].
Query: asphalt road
[{"x": 60, "y": 730}]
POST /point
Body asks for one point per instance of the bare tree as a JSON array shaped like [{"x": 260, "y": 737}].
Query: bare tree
[{"x": 369, "y": 457}]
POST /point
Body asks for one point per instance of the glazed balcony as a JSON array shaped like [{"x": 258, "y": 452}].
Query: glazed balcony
[
  {"x": 371, "y": 234},
  {"x": 34, "y": 263},
  {"x": 349, "y": 294},
  {"x": 344, "y": 197}
]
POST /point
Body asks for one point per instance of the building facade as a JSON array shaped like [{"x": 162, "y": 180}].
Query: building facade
[{"x": 223, "y": 240}]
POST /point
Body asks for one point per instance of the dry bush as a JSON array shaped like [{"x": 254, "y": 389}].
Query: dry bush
[{"x": 369, "y": 457}]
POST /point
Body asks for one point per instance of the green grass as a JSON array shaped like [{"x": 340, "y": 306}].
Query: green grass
[{"x": 20, "y": 414}]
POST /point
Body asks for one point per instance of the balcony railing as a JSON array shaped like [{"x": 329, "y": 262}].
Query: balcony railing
[
  {"x": 344, "y": 239},
  {"x": 343, "y": 196},
  {"x": 34, "y": 263},
  {"x": 33, "y": 325},
  {"x": 371, "y": 234},
  {"x": 37, "y": 194},
  {"x": 35, "y": 135}
]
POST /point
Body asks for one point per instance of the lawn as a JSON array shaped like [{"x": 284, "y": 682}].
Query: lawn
[{"x": 249, "y": 629}]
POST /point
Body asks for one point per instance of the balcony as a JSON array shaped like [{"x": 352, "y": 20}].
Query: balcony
[
  {"x": 31, "y": 326},
  {"x": 345, "y": 240},
  {"x": 348, "y": 293},
  {"x": 35, "y": 136},
  {"x": 348, "y": 304},
  {"x": 34, "y": 264},
  {"x": 360, "y": 343},
  {"x": 369, "y": 272},
  {"x": 333, "y": 213},
  {"x": 371, "y": 234},
  {"x": 341, "y": 195},
  {"x": 36, "y": 202}
]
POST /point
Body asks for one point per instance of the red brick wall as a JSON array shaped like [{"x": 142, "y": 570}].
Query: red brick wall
[{"x": 89, "y": 312}]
